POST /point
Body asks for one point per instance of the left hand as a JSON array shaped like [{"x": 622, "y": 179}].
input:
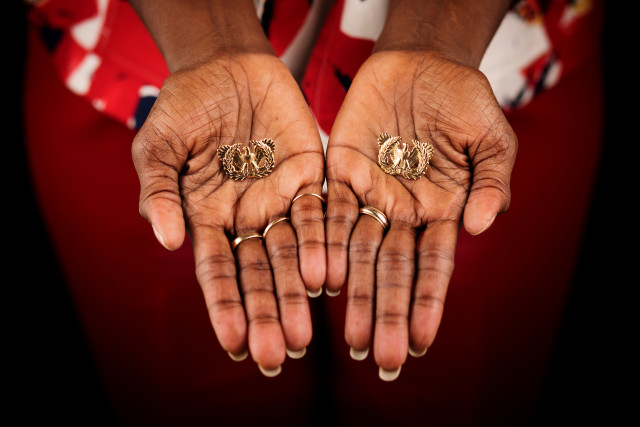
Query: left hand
[{"x": 397, "y": 281}]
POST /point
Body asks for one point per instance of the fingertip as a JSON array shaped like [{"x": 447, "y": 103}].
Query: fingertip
[
  {"x": 336, "y": 268},
  {"x": 170, "y": 239},
  {"x": 238, "y": 357},
  {"x": 476, "y": 227},
  {"x": 482, "y": 207},
  {"x": 267, "y": 346},
  {"x": 168, "y": 224},
  {"x": 417, "y": 353},
  {"x": 358, "y": 354},
  {"x": 296, "y": 354},
  {"x": 313, "y": 272},
  {"x": 270, "y": 372},
  {"x": 479, "y": 214},
  {"x": 332, "y": 292},
  {"x": 315, "y": 293},
  {"x": 389, "y": 374}
]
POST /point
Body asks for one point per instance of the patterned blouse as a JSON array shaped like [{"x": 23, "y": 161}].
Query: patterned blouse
[{"x": 103, "y": 52}]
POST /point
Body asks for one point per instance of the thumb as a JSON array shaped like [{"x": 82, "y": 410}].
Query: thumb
[
  {"x": 490, "y": 192},
  {"x": 160, "y": 202}
]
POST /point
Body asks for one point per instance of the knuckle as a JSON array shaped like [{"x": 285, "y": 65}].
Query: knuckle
[
  {"x": 311, "y": 244},
  {"x": 367, "y": 247},
  {"x": 341, "y": 220},
  {"x": 260, "y": 266},
  {"x": 293, "y": 298},
  {"x": 360, "y": 297},
  {"x": 224, "y": 305},
  {"x": 392, "y": 318},
  {"x": 262, "y": 319},
  {"x": 427, "y": 301},
  {"x": 336, "y": 246},
  {"x": 436, "y": 259},
  {"x": 311, "y": 218},
  {"x": 395, "y": 259},
  {"x": 215, "y": 268},
  {"x": 284, "y": 252}
]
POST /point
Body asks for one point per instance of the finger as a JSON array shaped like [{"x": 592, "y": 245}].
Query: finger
[
  {"x": 490, "y": 192},
  {"x": 282, "y": 247},
  {"x": 160, "y": 201},
  {"x": 394, "y": 273},
  {"x": 265, "y": 336},
  {"x": 216, "y": 273},
  {"x": 363, "y": 250},
  {"x": 436, "y": 250},
  {"x": 307, "y": 217},
  {"x": 342, "y": 214}
]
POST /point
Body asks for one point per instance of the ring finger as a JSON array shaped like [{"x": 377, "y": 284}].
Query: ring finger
[
  {"x": 281, "y": 243},
  {"x": 363, "y": 250}
]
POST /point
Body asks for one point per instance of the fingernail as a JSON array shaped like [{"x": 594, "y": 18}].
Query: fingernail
[
  {"x": 487, "y": 225},
  {"x": 296, "y": 354},
  {"x": 416, "y": 353},
  {"x": 270, "y": 372},
  {"x": 314, "y": 294},
  {"x": 239, "y": 356},
  {"x": 387, "y": 375},
  {"x": 333, "y": 293},
  {"x": 159, "y": 237},
  {"x": 358, "y": 354}
]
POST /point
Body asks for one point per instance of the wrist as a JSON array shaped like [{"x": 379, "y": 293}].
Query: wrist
[
  {"x": 190, "y": 32},
  {"x": 459, "y": 31}
]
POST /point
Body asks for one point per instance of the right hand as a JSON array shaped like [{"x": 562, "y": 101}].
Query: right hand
[{"x": 256, "y": 297}]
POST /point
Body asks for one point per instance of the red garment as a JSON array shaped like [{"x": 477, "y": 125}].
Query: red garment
[{"x": 143, "y": 310}]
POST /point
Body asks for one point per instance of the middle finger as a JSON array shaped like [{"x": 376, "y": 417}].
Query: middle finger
[
  {"x": 265, "y": 336},
  {"x": 363, "y": 250},
  {"x": 281, "y": 243}
]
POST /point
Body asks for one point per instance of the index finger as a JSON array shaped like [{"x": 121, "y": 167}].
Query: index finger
[
  {"x": 216, "y": 273},
  {"x": 307, "y": 217}
]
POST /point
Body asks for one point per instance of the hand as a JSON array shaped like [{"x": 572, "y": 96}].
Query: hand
[
  {"x": 397, "y": 281},
  {"x": 256, "y": 299}
]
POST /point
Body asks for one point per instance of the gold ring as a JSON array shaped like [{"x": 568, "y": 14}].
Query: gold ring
[
  {"x": 395, "y": 158},
  {"x": 242, "y": 238},
  {"x": 309, "y": 194},
  {"x": 376, "y": 214},
  {"x": 272, "y": 223}
]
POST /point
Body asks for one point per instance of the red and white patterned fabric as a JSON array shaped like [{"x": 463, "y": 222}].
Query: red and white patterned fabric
[{"x": 104, "y": 54}]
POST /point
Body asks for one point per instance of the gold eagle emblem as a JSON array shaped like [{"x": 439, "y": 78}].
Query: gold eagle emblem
[
  {"x": 240, "y": 164},
  {"x": 395, "y": 158}
]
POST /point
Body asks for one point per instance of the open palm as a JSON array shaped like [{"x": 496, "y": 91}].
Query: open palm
[
  {"x": 256, "y": 293},
  {"x": 397, "y": 281}
]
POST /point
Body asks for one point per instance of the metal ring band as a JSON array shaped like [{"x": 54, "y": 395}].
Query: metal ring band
[
  {"x": 376, "y": 214},
  {"x": 242, "y": 238},
  {"x": 308, "y": 194},
  {"x": 272, "y": 223}
]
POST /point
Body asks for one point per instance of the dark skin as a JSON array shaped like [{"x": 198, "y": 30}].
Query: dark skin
[
  {"x": 227, "y": 86},
  {"x": 224, "y": 91},
  {"x": 421, "y": 83}
]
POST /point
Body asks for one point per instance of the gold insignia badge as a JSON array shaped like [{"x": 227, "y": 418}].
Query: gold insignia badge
[
  {"x": 240, "y": 164},
  {"x": 395, "y": 158}
]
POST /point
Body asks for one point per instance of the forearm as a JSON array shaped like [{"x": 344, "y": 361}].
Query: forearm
[
  {"x": 458, "y": 29},
  {"x": 188, "y": 32}
]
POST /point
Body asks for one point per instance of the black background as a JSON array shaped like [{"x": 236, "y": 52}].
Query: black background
[{"x": 49, "y": 374}]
